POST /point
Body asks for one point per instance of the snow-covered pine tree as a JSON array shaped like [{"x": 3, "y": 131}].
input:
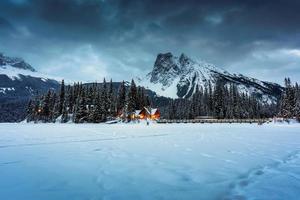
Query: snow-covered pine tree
[
  {"x": 195, "y": 104},
  {"x": 147, "y": 101},
  {"x": 111, "y": 100},
  {"x": 30, "y": 111},
  {"x": 81, "y": 110},
  {"x": 53, "y": 99},
  {"x": 65, "y": 114},
  {"x": 61, "y": 97},
  {"x": 104, "y": 101},
  {"x": 236, "y": 102},
  {"x": 218, "y": 99},
  {"x": 297, "y": 102},
  {"x": 139, "y": 101},
  {"x": 171, "y": 109},
  {"x": 97, "y": 112},
  {"x": 230, "y": 103},
  {"x": 45, "y": 111},
  {"x": 291, "y": 98},
  {"x": 121, "y": 98},
  {"x": 285, "y": 105},
  {"x": 205, "y": 102},
  {"x": 210, "y": 102},
  {"x": 132, "y": 98}
]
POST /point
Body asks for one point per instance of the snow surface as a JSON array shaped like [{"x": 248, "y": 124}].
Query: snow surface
[
  {"x": 166, "y": 91},
  {"x": 159, "y": 161},
  {"x": 14, "y": 73}
]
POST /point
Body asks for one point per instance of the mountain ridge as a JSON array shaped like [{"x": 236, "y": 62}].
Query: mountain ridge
[
  {"x": 178, "y": 76},
  {"x": 19, "y": 82},
  {"x": 15, "y": 62}
]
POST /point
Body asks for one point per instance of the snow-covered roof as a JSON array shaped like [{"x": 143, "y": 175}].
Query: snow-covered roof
[
  {"x": 147, "y": 110},
  {"x": 137, "y": 112},
  {"x": 153, "y": 111}
]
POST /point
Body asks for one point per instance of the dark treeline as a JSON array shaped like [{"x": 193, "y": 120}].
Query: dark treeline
[
  {"x": 91, "y": 103},
  {"x": 290, "y": 100},
  {"x": 220, "y": 101},
  {"x": 96, "y": 103}
]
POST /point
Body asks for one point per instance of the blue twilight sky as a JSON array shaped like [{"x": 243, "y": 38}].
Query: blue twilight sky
[{"x": 89, "y": 39}]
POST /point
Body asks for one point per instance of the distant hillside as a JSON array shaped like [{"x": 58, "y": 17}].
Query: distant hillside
[{"x": 19, "y": 81}]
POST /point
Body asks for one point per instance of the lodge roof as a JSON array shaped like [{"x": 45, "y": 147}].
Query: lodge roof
[
  {"x": 153, "y": 111},
  {"x": 137, "y": 112}
]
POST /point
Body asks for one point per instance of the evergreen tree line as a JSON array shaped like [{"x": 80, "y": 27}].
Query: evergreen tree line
[
  {"x": 96, "y": 103},
  {"x": 290, "y": 101},
  {"x": 220, "y": 101},
  {"x": 87, "y": 103}
]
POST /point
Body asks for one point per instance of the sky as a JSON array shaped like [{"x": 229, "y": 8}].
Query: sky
[{"x": 87, "y": 40}]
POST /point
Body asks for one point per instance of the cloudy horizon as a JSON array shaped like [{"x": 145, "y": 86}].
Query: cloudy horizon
[{"x": 91, "y": 39}]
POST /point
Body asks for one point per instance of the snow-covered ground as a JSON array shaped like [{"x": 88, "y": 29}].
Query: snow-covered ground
[{"x": 135, "y": 161}]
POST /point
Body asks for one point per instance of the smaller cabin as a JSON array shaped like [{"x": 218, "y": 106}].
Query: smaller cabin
[{"x": 155, "y": 114}]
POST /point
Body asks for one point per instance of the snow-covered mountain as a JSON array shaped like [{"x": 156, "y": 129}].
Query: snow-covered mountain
[
  {"x": 178, "y": 76},
  {"x": 18, "y": 82}
]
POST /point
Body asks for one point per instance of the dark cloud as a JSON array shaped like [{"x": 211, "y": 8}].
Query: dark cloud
[
  {"x": 5, "y": 25},
  {"x": 123, "y": 37}
]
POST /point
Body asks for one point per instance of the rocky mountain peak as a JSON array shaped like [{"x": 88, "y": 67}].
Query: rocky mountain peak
[
  {"x": 184, "y": 60},
  {"x": 167, "y": 65},
  {"x": 179, "y": 76},
  {"x": 15, "y": 62}
]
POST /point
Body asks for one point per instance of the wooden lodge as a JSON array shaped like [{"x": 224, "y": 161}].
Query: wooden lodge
[{"x": 146, "y": 113}]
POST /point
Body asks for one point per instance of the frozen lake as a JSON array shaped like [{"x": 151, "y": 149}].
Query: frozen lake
[{"x": 135, "y": 161}]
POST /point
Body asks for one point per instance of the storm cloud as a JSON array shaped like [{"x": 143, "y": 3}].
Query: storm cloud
[{"x": 91, "y": 39}]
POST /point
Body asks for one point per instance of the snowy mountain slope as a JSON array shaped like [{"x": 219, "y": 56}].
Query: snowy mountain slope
[
  {"x": 18, "y": 82},
  {"x": 174, "y": 77},
  {"x": 17, "y": 63}
]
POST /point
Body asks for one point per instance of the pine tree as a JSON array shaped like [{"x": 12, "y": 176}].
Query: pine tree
[
  {"x": 81, "y": 110},
  {"x": 132, "y": 98},
  {"x": 121, "y": 99},
  {"x": 297, "y": 102},
  {"x": 53, "y": 100},
  {"x": 45, "y": 107},
  {"x": 30, "y": 111},
  {"x": 147, "y": 101},
  {"x": 287, "y": 99},
  {"x": 210, "y": 100},
  {"x": 218, "y": 99},
  {"x": 104, "y": 101},
  {"x": 65, "y": 115},
  {"x": 172, "y": 110},
  {"x": 111, "y": 103},
  {"x": 97, "y": 112},
  {"x": 61, "y": 97},
  {"x": 139, "y": 102}
]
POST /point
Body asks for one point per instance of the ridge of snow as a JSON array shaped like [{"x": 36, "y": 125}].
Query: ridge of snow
[
  {"x": 4, "y": 89},
  {"x": 16, "y": 74},
  {"x": 15, "y": 62}
]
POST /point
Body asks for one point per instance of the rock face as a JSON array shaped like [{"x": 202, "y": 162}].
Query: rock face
[
  {"x": 19, "y": 81},
  {"x": 15, "y": 62},
  {"x": 178, "y": 76}
]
